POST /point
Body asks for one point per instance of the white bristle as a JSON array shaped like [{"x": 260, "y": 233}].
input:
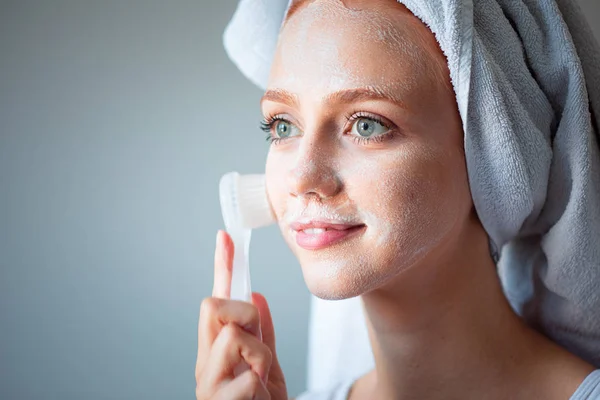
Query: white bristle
[
  {"x": 255, "y": 209},
  {"x": 244, "y": 201}
]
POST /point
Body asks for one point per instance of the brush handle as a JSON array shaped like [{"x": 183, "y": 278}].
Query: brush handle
[{"x": 240, "y": 277}]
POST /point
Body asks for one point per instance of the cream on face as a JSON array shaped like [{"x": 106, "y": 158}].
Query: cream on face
[{"x": 406, "y": 186}]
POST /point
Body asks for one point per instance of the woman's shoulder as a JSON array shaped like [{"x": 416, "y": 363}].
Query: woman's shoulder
[{"x": 589, "y": 388}]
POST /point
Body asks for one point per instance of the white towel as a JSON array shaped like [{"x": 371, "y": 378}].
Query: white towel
[{"x": 526, "y": 74}]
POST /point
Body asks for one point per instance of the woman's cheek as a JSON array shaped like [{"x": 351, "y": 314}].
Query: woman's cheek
[{"x": 275, "y": 174}]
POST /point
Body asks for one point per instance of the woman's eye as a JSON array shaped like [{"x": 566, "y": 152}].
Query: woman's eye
[
  {"x": 367, "y": 127},
  {"x": 278, "y": 129},
  {"x": 284, "y": 129}
]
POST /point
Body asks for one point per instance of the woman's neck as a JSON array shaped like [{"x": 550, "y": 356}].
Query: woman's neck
[{"x": 445, "y": 330}]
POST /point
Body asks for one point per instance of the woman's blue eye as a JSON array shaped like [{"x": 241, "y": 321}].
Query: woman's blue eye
[
  {"x": 283, "y": 129},
  {"x": 367, "y": 127},
  {"x": 278, "y": 129}
]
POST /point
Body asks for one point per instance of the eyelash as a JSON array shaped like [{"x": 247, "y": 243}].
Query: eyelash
[{"x": 266, "y": 125}]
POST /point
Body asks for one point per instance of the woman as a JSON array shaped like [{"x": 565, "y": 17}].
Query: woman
[{"x": 367, "y": 175}]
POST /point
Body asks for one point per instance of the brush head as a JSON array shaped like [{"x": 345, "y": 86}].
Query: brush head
[{"x": 244, "y": 201}]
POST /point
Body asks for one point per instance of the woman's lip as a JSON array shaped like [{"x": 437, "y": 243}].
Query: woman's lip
[
  {"x": 301, "y": 226},
  {"x": 328, "y": 237}
]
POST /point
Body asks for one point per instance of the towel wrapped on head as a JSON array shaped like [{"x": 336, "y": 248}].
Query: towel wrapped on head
[{"x": 526, "y": 74}]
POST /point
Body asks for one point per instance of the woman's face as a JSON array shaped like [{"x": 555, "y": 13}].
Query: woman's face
[{"x": 366, "y": 172}]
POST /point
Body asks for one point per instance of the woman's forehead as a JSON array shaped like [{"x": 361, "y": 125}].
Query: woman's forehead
[
  {"x": 330, "y": 42},
  {"x": 386, "y": 21},
  {"x": 364, "y": 46},
  {"x": 354, "y": 5}
]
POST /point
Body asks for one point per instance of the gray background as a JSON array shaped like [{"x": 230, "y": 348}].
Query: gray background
[{"x": 117, "y": 119}]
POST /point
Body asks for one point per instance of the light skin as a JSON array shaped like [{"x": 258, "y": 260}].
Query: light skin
[{"x": 367, "y": 133}]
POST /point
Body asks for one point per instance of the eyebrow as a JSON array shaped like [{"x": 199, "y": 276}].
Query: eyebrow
[
  {"x": 280, "y": 96},
  {"x": 342, "y": 96}
]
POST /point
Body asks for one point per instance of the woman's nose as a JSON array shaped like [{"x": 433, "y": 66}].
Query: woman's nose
[{"x": 313, "y": 173}]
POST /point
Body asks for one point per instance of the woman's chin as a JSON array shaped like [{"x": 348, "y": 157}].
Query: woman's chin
[
  {"x": 329, "y": 293},
  {"x": 334, "y": 282}
]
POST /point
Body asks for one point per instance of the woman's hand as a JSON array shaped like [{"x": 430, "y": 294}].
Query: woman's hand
[{"x": 236, "y": 341}]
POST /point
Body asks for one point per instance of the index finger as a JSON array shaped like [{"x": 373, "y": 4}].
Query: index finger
[{"x": 223, "y": 265}]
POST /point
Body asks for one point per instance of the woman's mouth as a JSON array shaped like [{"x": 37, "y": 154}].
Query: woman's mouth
[{"x": 315, "y": 235}]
